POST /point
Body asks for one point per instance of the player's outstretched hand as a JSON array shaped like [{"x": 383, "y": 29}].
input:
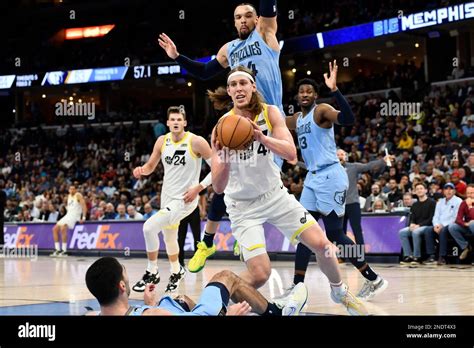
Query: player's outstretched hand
[
  {"x": 241, "y": 308},
  {"x": 332, "y": 79},
  {"x": 168, "y": 45},
  {"x": 138, "y": 172},
  {"x": 149, "y": 297}
]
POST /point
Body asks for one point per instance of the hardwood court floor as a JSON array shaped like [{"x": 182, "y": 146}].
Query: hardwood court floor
[{"x": 39, "y": 287}]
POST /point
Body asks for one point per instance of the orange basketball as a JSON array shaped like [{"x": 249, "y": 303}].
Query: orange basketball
[{"x": 235, "y": 132}]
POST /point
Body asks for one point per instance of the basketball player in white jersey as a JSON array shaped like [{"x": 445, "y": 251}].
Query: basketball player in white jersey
[
  {"x": 76, "y": 211},
  {"x": 255, "y": 194},
  {"x": 181, "y": 153}
]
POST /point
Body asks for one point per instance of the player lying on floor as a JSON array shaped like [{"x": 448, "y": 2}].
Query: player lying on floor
[{"x": 107, "y": 280}]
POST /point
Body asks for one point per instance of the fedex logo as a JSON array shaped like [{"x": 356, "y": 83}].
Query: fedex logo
[
  {"x": 20, "y": 238},
  {"x": 100, "y": 239}
]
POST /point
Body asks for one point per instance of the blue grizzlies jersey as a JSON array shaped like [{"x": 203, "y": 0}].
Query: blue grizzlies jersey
[
  {"x": 256, "y": 55},
  {"x": 318, "y": 146}
]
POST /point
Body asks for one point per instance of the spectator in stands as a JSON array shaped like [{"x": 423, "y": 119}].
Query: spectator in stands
[
  {"x": 110, "y": 189},
  {"x": 121, "y": 213},
  {"x": 109, "y": 212},
  {"x": 376, "y": 193},
  {"x": 445, "y": 214},
  {"x": 395, "y": 194},
  {"x": 420, "y": 226},
  {"x": 53, "y": 213},
  {"x": 464, "y": 225},
  {"x": 149, "y": 211},
  {"x": 139, "y": 205},
  {"x": 133, "y": 214},
  {"x": 406, "y": 142},
  {"x": 460, "y": 185},
  {"x": 379, "y": 206}
]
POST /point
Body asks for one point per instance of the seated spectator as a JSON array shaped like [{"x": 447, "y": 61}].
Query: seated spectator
[
  {"x": 406, "y": 142},
  {"x": 445, "y": 214},
  {"x": 53, "y": 213},
  {"x": 109, "y": 212},
  {"x": 464, "y": 225},
  {"x": 420, "y": 226},
  {"x": 435, "y": 191},
  {"x": 133, "y": 214},
  {"x": 149, "y": 211},
  {"x": 379, "y": 206},
  {"x": 394, "y": 195},
  {"x": 110, "y": 189},
  {"x": 460, "y": 185},
  {"x": 406, "y": 204},
  {"x": 121, "y": 214},
  {"x": 376, "y": 193}
]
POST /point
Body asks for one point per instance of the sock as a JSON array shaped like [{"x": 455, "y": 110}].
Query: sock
[
  {"x": 298, "y": 278},
  {"x": 152, "y": 266},
  {"x": 339, "y": 288},
  {"x": 369, "y": 274},
  {"x": 272, "y": 310},
  {"x": 174, "y": 266},
  {"x": 208, "y": 239},
  {"x": 64, "y": 246},
  {"x": 56, "y": 246}
]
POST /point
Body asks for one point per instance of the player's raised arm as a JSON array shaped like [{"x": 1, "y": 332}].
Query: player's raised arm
[
  {"x": 281, "y": 142},
  {"x": 267, "y": 23},
  {"x": 202, "y": 71},
  {"x": 344, "y": 117},
  {"x": 149, "y": 167}
]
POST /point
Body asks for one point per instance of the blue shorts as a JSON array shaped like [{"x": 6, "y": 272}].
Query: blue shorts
[
  {"x": 217, "y": 208},
  {"x": 326, "y": 190}
]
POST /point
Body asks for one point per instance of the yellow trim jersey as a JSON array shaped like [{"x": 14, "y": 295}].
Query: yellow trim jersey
[
  {"x": 74, "y": 208},
  {"x": 253, "y": 172},
  {"x": 182, "y": 166}
]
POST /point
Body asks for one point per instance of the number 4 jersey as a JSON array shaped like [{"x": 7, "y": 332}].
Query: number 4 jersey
[
  {"x": 182, "y": 166},
  {"x": 253, "y": 172}
]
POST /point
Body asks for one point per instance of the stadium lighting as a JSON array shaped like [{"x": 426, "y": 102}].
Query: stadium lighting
[
  {"x": 417, "y": 45},
  {"x": 358, "y": 54},
  {"x": 88, "y": 32},
  {"x": 43, "y": 96},
  {"x": 14, "y": 110},
  {"x": 308, "y": 72},
  {"x": 190, "y": 84},
  {"x": 293, "y": 70},
  {"x": 71, "y": 98}
]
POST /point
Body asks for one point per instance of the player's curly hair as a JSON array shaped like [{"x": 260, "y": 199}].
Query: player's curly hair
[{"x": 222, "y": 100}]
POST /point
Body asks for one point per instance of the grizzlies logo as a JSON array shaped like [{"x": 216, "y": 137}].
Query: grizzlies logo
[{"x": 340, "y": 197}]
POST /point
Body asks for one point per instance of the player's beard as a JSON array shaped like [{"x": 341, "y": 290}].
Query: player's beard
[{"x": 244, "y": 36}]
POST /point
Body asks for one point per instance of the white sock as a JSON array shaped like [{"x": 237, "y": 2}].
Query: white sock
[
  {"x": 56, "y": 246},
  {"x": 339, "y": 289},
  {"x": 152, "y": 266},
  {"x": 377, "y": 280},
  {"x": 175, "y": 266},
  {"x": 64, "y": 246}
]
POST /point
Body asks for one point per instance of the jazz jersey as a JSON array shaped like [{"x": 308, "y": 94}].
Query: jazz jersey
[
  {"x": 181, "y": 165},
  {"x": 253, "y": 172},
  {"x": 73, "y": 206}
]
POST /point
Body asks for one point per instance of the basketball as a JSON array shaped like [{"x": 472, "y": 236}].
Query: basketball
[{"x": 235, "y": 132}]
